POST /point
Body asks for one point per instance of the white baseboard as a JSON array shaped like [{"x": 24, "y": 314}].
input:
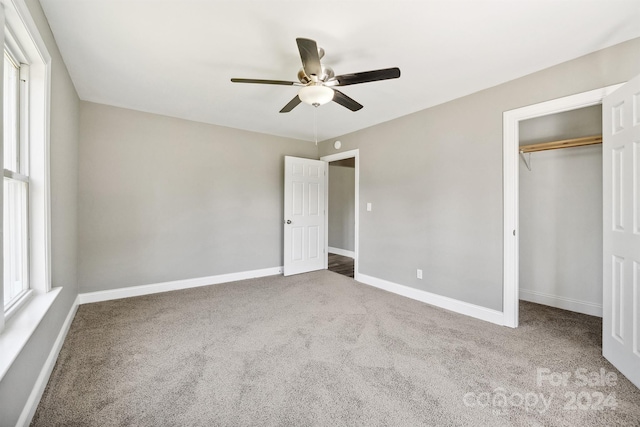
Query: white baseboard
[
  {"x": 343, "y": 252},
  {"x": 564, "y": 303},
  {"x": 447, "y": 303},
  {"x": 30, "y": 407},
  {"x": 134, "y": 291}
]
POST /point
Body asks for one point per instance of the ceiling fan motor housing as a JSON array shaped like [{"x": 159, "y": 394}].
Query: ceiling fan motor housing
[{"x": 327, "y": 74}]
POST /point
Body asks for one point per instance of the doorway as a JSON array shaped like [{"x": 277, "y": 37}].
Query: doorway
[
  {"x": 560, "y": 210},
  {"x": 511, "y": 161},
  {"x": 341, "y": 216},
  {"x": 342, "y": 220}
]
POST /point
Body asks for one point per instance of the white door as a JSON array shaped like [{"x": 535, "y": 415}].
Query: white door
[
  {"x": 621, "y": 237},
  {"x": 304, "y": 213}
]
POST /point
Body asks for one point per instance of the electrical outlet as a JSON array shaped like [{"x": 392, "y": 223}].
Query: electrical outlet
[{"x": 419, "y": 274}]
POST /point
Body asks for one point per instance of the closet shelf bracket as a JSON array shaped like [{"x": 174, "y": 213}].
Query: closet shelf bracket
[{"x": 526, "y": 159}]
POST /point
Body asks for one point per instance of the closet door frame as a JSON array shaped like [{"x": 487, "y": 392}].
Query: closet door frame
[{"x": 510, "y": 185}]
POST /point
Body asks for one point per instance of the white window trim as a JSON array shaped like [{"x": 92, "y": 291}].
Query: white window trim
[
  {"x": 24, "y": 35},
  {"x": 27, "y": 314},
  {"x": 21, "y": 173}
]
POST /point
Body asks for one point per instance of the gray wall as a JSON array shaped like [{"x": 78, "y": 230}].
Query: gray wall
[
  {"x": 341, "y": 218},
  {"x": 18, "y": 383},
  {"x": 568, "y": 124},
  {"x": 164, "y": 199},
  {"x": 561, "y": 209},
  {"x": 435, "y": 180}
]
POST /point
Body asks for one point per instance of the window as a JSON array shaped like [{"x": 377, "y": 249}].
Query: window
[
  {"x": 26, "y": 225},
  {"x": 16, "y": 180},
  {"x": 25, "y": 283}
]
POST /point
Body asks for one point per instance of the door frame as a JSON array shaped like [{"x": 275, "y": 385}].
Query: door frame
[
  {"x": 355, "y": 154},
  {"x": 511, "y": 188}
]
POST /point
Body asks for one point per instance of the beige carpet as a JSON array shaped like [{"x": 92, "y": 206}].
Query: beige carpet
[{"x": 322, "y": 349}]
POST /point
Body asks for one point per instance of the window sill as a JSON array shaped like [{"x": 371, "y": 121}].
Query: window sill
[
  {"x": 22, "y": 325},
  {"x": 24, "y": 298}
]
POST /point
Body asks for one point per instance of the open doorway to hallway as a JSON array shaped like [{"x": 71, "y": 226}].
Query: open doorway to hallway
[
  {"x": 343, "y": 193},
  {"x": 341, "y": 216}
]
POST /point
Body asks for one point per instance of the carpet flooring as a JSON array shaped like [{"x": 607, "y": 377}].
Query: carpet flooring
[{"x": 320, "y": 349}]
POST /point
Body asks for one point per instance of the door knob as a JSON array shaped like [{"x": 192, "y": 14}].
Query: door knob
[{"x": 288, "y": 221}]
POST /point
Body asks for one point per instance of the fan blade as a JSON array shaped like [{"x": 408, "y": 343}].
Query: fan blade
[
  {"x": 365, "y": 77},
  {"x": 267, "y": 82},
  {"x": 345, "y": 101},
  {"x": 310, "y": 58},
  {"x": 291, "y": 105}
]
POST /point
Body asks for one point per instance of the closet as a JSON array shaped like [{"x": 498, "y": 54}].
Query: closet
[{"x": 560, "y": 211}]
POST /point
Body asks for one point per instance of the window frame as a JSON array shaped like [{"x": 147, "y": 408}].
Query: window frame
[
  {"x": 20, "y": 34},
  {"x": 17, "y": 58}
]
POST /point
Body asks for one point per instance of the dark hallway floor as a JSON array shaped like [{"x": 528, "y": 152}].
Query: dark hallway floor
[{"x": 341, "y": 264}]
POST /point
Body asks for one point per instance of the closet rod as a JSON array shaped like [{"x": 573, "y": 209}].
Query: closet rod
[{"x": 553, "y": 145}]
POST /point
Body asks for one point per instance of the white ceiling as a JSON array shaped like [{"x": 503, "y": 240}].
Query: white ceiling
[{"x": 176, "y": 57}]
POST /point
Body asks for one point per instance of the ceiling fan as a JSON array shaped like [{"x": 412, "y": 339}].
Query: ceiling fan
[{"x": 318, "y": 81}]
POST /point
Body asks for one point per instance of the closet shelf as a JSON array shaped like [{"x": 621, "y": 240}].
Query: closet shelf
[{"x": 565, "y": 143}]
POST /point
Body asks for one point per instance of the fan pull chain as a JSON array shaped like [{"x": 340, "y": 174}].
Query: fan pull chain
[{"x": 315, "y": 124}]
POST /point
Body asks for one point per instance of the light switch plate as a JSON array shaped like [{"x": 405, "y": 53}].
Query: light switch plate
[{"x": 369, "y": 207}]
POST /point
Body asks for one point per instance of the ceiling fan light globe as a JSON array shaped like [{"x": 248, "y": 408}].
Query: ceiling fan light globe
[{"x": 316, "y": 95}]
